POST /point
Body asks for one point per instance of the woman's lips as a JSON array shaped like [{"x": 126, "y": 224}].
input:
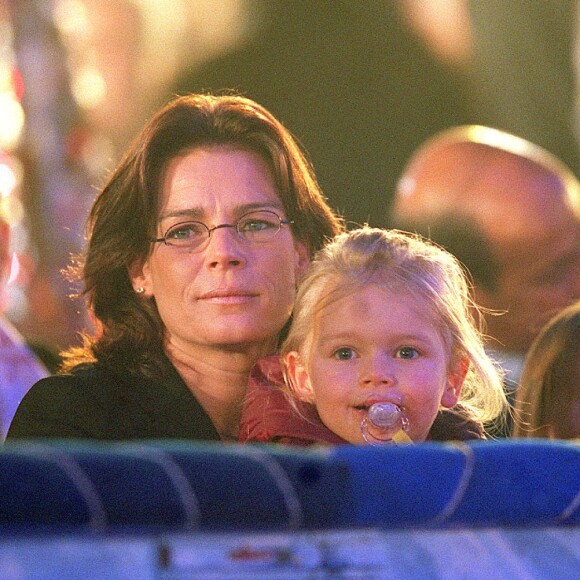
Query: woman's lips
[{"x": 230, "y": 296}]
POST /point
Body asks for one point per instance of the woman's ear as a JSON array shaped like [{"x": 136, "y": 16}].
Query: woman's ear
[
  {"x": 455, "y": 378},
  {"x": 140, "y": 277},
  {"x": 302, "y": 258},
  {"x": 298, "y": 377}
]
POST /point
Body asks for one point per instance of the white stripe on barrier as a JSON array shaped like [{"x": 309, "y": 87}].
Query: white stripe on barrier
[
  {"x": 462, "y": 484},
  {"x": 82, "y": 482},
  {"x": 186, "y": 493},
  {"x": 570, "y": 508},
  {"x": 295, "y": 513}
]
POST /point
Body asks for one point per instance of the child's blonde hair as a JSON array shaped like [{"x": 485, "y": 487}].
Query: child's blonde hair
[{"x": 395, "y": 261}]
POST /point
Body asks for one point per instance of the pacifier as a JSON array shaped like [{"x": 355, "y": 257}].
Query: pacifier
[{"x": 385, "y": 424}]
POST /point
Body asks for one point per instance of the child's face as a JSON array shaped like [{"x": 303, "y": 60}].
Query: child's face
[{"x": 374, "y": 346}]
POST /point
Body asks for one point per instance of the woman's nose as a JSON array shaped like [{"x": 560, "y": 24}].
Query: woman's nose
[{"x": 225, "y": 249}]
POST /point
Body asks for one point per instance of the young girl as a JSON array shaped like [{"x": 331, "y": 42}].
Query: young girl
[{"x": 380, "y": 317}]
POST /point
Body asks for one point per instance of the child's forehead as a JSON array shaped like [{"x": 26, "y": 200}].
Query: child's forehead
[
  {"x": 378, "y": 316},
  {"x": 336, "y": 291}
]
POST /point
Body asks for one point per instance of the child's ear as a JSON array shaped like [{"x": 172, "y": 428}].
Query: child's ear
[
  {"x": 455, "y": 378},
  {"x": 298, "y": 377}
]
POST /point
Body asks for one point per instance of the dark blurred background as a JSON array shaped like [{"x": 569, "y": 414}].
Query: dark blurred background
[{"x": 361, "y": 83}]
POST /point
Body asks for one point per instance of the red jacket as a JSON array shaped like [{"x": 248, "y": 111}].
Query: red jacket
[{"x": 267, "y": 415}]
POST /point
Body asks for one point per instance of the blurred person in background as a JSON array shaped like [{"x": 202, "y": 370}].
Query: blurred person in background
[
  {"x": 548, "y": 398},
  {"x": 510, "y": 211},
  {"x": 20, "y": 367}
]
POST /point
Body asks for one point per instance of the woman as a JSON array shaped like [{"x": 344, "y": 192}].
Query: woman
[{"x": 195, "y": 247}]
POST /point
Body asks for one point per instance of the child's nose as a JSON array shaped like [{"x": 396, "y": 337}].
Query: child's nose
[{"x": 377, "y": 371}]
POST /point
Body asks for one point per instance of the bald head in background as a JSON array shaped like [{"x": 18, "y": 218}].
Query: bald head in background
[{"x": 510, "y": 211}]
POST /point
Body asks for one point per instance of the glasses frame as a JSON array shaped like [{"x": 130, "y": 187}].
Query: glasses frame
[{"x": 235, "y": 226}]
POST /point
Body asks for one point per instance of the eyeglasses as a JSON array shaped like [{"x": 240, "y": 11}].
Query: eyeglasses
[{"x": 255, "y": 226}]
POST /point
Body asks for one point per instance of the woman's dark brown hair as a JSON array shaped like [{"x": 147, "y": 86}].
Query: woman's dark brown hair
[{"x": 124, "y": 216}]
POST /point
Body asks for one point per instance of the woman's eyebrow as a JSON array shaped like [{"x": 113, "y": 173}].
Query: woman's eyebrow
[
  {"x": 192, "y": 213},
  {"x": 198, "y": 213}
]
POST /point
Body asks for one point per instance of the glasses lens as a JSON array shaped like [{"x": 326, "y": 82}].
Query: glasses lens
[
  {"x": 259, "y": 225},
  {"x": 187, "y": 234}
]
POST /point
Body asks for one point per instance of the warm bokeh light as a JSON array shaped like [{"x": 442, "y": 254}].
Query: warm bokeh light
[
  {"x": 89, "y": 87},
  {"x": 11, "y": 121},
  {"x": 12, "y": 209},
  {"x": 7, "y": 180},
  {"x": 14, "y": 268},
  {"x": 5, "y": 77},
  {"x": 71, "y": 18}
]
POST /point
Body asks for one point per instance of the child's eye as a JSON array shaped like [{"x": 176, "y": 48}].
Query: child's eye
[
  {"x": 407, "y": 352},
  {"x": 344, "y": 353}
]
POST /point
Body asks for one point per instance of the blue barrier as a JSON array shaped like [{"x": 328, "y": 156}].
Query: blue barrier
[
  {"x": 186, "y": 486},
  {"x": 159, "y": 510}
]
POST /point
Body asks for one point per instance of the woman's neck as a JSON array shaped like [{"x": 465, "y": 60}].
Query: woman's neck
[{"x": 218, "y": 378}]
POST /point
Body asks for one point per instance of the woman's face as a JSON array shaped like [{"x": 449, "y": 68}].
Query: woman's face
[
  {"x": 377, "y": 346},
  {"x": 234, "y": 293}
]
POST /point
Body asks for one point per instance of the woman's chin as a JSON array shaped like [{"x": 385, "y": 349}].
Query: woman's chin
[{"x": 244, "y": 338}]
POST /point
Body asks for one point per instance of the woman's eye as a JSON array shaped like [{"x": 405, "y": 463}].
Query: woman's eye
[
  {"x": 185, "y": 231},
  {"x": 257, "y": 225},
  {"x": 407, "y": 352},
  {"x": 344, "y": 354}
]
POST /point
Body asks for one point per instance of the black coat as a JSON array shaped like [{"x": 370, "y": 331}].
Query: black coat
[{"x": 94, "y": 402}]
